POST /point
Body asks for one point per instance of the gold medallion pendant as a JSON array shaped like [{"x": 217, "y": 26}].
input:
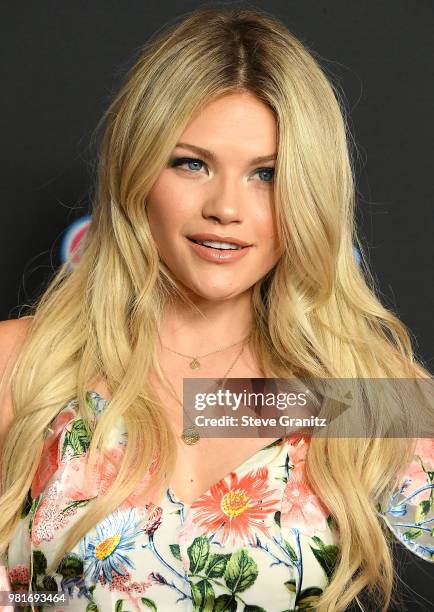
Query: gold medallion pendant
[
  {"x": 194, "y": 364},
  {"x": 190, "y": 435}
]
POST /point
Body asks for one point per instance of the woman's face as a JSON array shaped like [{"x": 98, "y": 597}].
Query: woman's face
[{"x": 214, "y": 185}]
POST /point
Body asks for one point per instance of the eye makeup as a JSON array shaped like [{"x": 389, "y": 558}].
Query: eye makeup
[
  {"x": 175, "y": 162},
  {"x": 179, "y": 161}
]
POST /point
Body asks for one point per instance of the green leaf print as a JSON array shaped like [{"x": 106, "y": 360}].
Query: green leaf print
[
  {"x": 332, "y": 523},
  {"x": 32, "y": 512},
  {"x": 291, "y": 586},
  {"x": 70, "y": 566},
  {"x": 149, "y": 603},
  {"x": 254, "y": 609},
  {"x": 291, "y": 552},
  {"x": 77, "y": 504},
  {"x": 39, "y": 562},
  {"x": 176, "y": 552},
  {"x": 92, "y": 607},
  {"x": 273, "y": 444},
  {"x": 78, "y": 438},
  {"x": 277, "y": 518},
  {"x": 216, "y": 565},
  {"x": 203, "y": 596},
  {"x": 198, "y": 554},
  {"x": 241, "y": 571},
  {"x": 40, "y": 580},
  {"x": 118, "y": 606},
  {"x": 225, "y": 603},
  {"x": 49, "y": 583},
  {"x": 308, "y": 597},
  {"x": 422, "y": 510},
  {"x": 326, "y": 555},
  {"x": 412, "y": 534},
  {"x": 27, "y": 506}
]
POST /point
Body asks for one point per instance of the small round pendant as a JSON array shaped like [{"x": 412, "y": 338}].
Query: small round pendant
[
  {"x": 190, "y": 435},
  {"x": 194, "y": 364}
]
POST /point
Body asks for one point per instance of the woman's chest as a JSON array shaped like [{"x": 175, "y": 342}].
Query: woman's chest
[{"x": 201, "y": 465}]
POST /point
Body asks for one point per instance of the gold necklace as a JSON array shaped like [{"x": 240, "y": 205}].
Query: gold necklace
[
  {"x": 195, "y": 363},
  {"x": 190, "y": 435}
]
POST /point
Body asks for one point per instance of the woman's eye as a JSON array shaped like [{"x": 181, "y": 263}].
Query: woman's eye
[
  {"x": 192, "y": 163},
  {"x": 195, "y": 165},
  {"x": 268, "y": 173}
]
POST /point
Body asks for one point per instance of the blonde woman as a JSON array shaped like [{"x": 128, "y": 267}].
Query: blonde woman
[{"x": 226, "y": 130}]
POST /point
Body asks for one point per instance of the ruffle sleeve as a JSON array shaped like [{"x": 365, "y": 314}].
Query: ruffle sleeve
[{"x": 409, "y": 512}]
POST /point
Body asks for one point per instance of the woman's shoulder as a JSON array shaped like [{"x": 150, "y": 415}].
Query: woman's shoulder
[
  {"x": 12, "y": 335},
  {"x": 409, "y": 511}
]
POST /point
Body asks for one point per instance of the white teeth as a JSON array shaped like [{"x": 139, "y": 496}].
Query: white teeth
[{"x": 220, "y": 245}]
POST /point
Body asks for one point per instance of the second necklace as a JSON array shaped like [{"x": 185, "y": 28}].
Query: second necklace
[{"x": 190, "y": 435}]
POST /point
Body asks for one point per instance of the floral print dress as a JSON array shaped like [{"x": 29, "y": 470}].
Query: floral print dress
[{"x": 258, "y": 540}]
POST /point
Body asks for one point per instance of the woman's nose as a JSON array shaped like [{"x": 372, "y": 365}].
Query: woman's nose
[{"x": 224, "y": 203}]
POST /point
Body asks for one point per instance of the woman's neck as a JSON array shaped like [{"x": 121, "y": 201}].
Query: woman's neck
[{"x": 221, "y": 323}]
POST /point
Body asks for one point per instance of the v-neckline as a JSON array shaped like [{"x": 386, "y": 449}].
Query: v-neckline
[
  {"x": 169, "y": 491},
  {"x": 239, "y": 468}
]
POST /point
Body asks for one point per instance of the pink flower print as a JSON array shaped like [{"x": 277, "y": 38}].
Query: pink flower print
[
  {"x": 297, "y": 450},
  {"x": 49, "y": 517},
  {"x": 125, "y": 584},
  {"x": 153, "y": 520},
  {"x": 240, "y": 506},
  {"x": 301, "y": 508},
  {"x": 50, "y": 462},
  {"x": 144, "y": 494},
  {"x": 416, "y": 475},
  {"x": 19, "y": 577},
  {"x": 78, "y": 485}
]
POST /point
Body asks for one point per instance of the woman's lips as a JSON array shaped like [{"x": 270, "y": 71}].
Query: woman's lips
[{"x": 218, "y": 255}]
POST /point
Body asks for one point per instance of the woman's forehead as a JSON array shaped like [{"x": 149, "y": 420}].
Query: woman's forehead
[{"x": 238, "y": 122}]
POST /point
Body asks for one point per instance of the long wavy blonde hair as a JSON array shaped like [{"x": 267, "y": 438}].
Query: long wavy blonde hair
[{"x": 316, "y": 313}]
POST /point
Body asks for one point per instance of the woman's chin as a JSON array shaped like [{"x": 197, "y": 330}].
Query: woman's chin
[{"x": 215, "y": 294}]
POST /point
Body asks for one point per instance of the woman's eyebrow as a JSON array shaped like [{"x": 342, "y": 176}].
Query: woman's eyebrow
[{"x": 212, "y": 157}]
